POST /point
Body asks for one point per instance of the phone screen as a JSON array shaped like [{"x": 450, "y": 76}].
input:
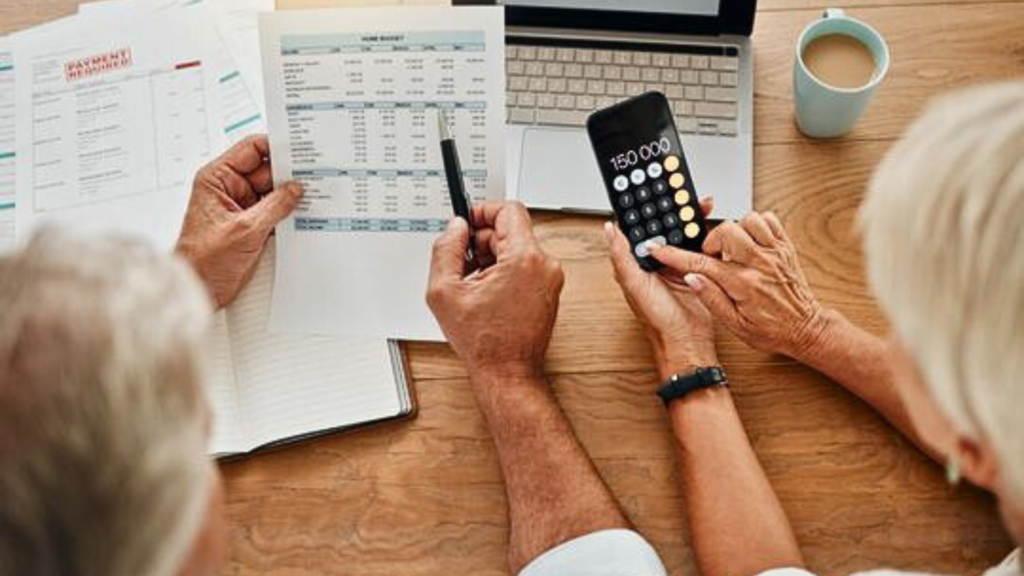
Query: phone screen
[{"x": 646, "y": 175}]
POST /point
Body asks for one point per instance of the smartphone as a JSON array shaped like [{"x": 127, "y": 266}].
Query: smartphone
[{"x": 645, "y": 172}]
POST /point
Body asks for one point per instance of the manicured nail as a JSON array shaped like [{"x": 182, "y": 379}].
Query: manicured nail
[
  {"x": 692, "y": 280},
  {"x": 608, "y": 230}
]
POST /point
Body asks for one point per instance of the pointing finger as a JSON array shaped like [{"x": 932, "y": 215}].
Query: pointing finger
[{"x": 686, "y": 262}]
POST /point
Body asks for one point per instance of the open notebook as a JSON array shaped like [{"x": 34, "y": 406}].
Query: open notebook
[{"x": 269, "y": 389}]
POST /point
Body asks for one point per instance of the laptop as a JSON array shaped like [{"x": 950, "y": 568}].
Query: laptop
[{"x": 567, "y": 58}]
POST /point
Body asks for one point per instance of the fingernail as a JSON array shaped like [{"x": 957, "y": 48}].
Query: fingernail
[
  {"x": 653, "y": 246},
  {"x": 294, "y": 188},
  {"x": 692, "y": 280},
  {"x": 608, "y": 230}
]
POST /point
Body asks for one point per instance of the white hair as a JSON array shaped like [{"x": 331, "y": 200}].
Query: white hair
[
  {"x": 103, "y": 467},
  {"x": 944, "y": 239}
]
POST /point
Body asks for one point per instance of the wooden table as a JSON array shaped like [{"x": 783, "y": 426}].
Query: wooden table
[{"x": 425, "y": 496}]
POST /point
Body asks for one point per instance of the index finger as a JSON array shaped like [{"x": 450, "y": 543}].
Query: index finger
[
  {"x": 686, "y": 262},
  {"x": 247, "y": 154},
  {"x": 509, "y": 215},
  {"x": 505, "y": 225}
]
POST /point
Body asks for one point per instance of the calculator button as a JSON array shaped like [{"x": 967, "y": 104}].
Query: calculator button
[
  {"x": 675, "y": 237},
  {"x": 654, "y": 170},
  {"x": 636, "y": 233},
  {"x": 631, "y": 217},
  {"x": 665, "y": 204},
  {"x": 672, "y": 163},
  {"x": 682, "y": 197},
  {"x": 670, "y": 220},
  {"x": 653, "y": 227},
  {"x": 659, "y": 187},
  {"x": 621, "y": 183},
  {"x": 642, "y": 250},
  {"x": 686, "y": 213},
  {"x": 626, "y": 200},
  {"x": 649, "y": 210},
  {"x": 643, "y": 193},
  {"x": 638, "y": 177},
  {"x": 692, "y": 230},
  {"x": 677, "y": 180}
]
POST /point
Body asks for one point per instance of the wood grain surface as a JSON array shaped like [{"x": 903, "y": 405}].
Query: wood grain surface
[{"x": 424, "y": 497}]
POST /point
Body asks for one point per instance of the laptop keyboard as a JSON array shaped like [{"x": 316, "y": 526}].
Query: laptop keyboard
[{"x": 561, "y": 85}]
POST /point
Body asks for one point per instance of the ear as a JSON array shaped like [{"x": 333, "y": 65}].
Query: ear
[{"x": 977, "y": 462}]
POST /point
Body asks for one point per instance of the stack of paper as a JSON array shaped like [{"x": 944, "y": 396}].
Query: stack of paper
[
  {"x": 117, "y": 108},
  {"x": 105, "y": 117}
]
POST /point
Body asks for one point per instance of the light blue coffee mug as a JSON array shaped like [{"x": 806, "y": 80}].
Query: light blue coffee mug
[{"x": 824, "y": 111}]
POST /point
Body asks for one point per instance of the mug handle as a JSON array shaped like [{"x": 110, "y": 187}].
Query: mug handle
[{"x": 833, "y": 13}]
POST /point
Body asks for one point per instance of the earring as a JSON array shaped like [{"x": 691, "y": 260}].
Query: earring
[{"x": 952, "y": 471}]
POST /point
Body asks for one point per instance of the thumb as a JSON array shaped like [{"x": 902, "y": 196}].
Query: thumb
[
  {"x": 276, "y": 206},
  {"x": 714, "y": 299},
  {"x": 448, "y": 261}
]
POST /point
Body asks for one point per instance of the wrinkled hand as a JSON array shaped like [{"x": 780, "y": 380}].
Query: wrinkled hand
[
  {"x": 678, "y": 326},
  {"x": 231, "y": 214},
  {"x": 749, "y": 279},
  {"x": 498, "y": 319}
]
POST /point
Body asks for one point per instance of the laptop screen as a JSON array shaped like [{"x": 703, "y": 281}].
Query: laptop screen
[
  {"x": 691, "y": 7},
  {"x": 694, "y": 7},
  {"x": 665, "y": 16}
]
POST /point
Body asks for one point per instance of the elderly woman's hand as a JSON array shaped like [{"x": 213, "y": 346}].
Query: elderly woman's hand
[
  {"x": 749, "y": 280},
  {"x": 231, "y": 214},
  {"x": 678, "y": 326}
]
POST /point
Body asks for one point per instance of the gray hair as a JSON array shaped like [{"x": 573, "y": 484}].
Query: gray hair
[
  {"x": 943, "y": 234},
  {"x": 103, "y": 423}
]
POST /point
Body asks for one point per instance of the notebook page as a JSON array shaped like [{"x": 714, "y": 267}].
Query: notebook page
[
  {"x": 228, "y": 436},
  {"x": 292, "y": 385}
]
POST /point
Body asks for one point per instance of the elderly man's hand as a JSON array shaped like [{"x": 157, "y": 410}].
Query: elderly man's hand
[
  {"x": 678, "y": 326},
  {"x": 231, "y": 214},
  {"x": 499, "y": 318},
  {"x": 749, "y": 279}
]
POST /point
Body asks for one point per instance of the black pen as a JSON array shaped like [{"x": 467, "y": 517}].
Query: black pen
[{"x": 461, "y": 202}]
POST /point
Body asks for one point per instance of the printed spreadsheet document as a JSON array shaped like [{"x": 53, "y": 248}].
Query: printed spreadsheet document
[{"x": 352, "y": 102}]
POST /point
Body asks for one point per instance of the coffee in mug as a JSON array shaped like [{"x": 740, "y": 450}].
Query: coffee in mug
[{"x": 839, "y": 60}]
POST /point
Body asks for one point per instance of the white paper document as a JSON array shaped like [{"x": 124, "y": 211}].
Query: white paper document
[
  {"x": 234, "y": 58},
  {"x": 352, "y": 102},
  {"x": 7, "y": 148},
  {"x": 113, "y": 121}
]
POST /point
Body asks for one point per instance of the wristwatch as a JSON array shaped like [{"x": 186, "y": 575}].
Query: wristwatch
[{"x": 680, "y": 385}]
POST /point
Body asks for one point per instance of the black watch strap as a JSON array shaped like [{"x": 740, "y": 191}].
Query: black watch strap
[{"x": 680, "y": 385}]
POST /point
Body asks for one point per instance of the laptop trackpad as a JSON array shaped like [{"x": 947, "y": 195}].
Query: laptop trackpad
[{"x": 558, "y": 171}]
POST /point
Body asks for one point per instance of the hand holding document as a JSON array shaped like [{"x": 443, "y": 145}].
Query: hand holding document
[{"x": 352, "y": 99}]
